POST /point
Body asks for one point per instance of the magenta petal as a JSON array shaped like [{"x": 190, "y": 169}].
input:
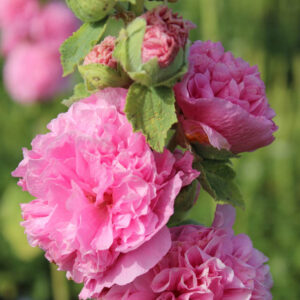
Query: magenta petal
[
  {"x": 243, "y": 131},
  {"x": 224, "y": 216},
  {"x": 242, "y": 294},
  {"x": 199, "y": 131},
  {"x": 226, "y": 96}
]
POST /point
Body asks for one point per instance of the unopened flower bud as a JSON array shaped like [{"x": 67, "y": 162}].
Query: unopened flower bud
[
  {"x": 100, "y": 69},
  {"x": 165, "y": 34},
  {"x": 152, "y": 48},
  {"x": 91, "y": 10},
  {"x": 102, "y": 53}
]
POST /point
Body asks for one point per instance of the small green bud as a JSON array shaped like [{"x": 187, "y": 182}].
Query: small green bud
[{"x": 91, "y": 10}]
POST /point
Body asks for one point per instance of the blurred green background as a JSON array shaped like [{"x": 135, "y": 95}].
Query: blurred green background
[{"x": 263, "y": 32}]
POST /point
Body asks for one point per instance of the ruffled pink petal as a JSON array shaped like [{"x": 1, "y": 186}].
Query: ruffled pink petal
[
  {"x": 243, "y": 131},
  {"x": 133, "y": 264}
]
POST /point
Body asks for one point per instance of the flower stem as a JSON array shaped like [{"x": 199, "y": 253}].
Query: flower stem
[{"x": 138, "y": 7}]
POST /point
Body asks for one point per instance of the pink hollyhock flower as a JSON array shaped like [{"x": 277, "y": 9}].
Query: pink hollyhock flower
[
  {"x": 223, "y": 101},
  {"x": 102, "y": 53},
  {"x": 103, "y": 198},
  {"x": 54, "y": 24},
  {"x": 165, "y": 34},
  {"x": 33, "y": 72},
  {"x": 203, "y": 263},
  {"x": 15, "y": 22}
]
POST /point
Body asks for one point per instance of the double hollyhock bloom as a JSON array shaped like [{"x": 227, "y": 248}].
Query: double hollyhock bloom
[
  {"x": 103, "y": 53},
  {"x": 166, "y": 33},
  {"x": 31, "y": 36},
  {"x": 205, "y": 263},
  {"x": 103, "y": 197},
  {"x": 223, "y": 101}
]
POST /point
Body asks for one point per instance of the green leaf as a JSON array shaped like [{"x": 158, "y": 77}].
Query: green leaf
[
  {"x": 209, "y": 152},
  {"x": 98, "y": 76},
  {"x": 113, "y": 27},
  {"x": 216, "y": 178},
  {"x": 184, "y": 202},
  {"x": 151, "y": 111},
  {"x": 80, "y": 92},
  {"x": 76, "y": 47}
]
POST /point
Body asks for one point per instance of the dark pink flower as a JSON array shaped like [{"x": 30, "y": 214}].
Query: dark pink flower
[
  {"x": 102, "y": 53},
  {"x": 223, "y": 101},
  {"x": 203, "y": 264},
  {"x": 103, "y": 198},
  {"x": 165, "y": 34}
]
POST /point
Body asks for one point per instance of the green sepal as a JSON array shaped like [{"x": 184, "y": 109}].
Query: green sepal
[
  {"x": 151, "y": 110},
  {"x": 128, "y": 50},
  {"x": 76, "y": 47},
  {"x": 98, "y": 76},
  {"x": 217, "y": 179},
  {"x": 184, "y": 202},
  {"x": 80, "y": 92},
  {"x": 91, "y": 10},
  {"x": 129, "y": 53}
]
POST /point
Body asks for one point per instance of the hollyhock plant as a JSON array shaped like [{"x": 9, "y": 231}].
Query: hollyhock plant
[
  {"x": 102, "y": 53},
  {"x": 223, "y": 101},
  {"x": 103, "y": 197},
  {"x": 165, "y": 34},
  {"x": 203, "y": 263},
  {"x": 33, "y": 71}
]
